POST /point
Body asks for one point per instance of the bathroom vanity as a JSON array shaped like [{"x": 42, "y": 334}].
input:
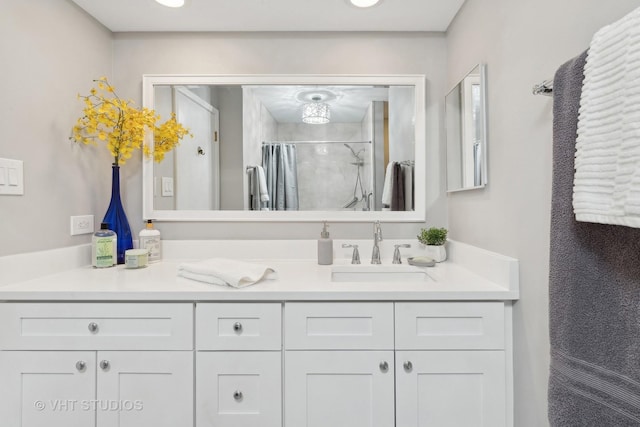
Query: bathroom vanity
[{"x": 119, "y": 347}]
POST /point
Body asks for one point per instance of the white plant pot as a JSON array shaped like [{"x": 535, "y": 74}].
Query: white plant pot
[{"x": 438, "y": 253}]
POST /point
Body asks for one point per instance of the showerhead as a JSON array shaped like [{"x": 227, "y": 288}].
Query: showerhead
[{"x": 356, "y": 155}]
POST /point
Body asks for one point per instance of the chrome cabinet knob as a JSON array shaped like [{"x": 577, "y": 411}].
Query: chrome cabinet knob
[
  {"x": 104, "y": 365},
  {"x": 237, "y": 395},
  {"x": 93, "y": 327},
  {"x": 237, "y": 327},
  {"x": 408, "y": 366},
  {"x": 81, "y": 365},
  {"x": 384, "y": 366}
]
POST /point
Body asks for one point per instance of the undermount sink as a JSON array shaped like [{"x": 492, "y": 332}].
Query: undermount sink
[{"x": 378, "y": 273}]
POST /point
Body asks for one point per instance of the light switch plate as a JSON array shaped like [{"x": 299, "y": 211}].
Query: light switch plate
[
  {"x": 11, "y": 177},
  {"x": 167, "y": 186}
]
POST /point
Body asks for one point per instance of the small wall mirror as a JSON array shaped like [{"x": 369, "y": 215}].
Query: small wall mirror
[
  {"x": 304, "y": 148},
  {"x": 466, "y": 129}
]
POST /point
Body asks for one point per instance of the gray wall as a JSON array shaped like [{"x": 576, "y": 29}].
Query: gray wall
[
  {"x": 288, "y": 53},
  {"x": 163, "y": 105},
  {"x": 523, "y": 43},
  {"x": 50, "y": 51},
  {"x": 231, "y": 169}
]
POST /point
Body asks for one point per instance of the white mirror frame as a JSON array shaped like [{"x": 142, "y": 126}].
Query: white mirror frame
[
  {"x": 417, "y": 215},
  {"x": 483, "y": 120}
]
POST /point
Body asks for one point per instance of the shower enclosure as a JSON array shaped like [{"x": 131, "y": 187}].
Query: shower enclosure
[
  {"x": 333, "y": 177},
  {"x": 340, "y": 163}
]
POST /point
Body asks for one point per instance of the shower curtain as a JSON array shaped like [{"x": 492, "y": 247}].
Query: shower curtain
[{"x": 280, "y": 166}]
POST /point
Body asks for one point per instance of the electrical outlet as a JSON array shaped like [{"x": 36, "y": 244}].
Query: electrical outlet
[{"x": 82, "y": 224}]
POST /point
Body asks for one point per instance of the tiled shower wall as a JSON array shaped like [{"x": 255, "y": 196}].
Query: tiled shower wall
[{"x": 326, "y": 172}]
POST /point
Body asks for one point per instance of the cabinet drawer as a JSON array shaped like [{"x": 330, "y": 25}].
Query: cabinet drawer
[
  {"x": 240, "y": 389},
  {"x": 235, "y": 326},
  {"x": 339, "y": 326},
  {"x": 450, "y": 325},
  {"x": 96, "y": 326}
]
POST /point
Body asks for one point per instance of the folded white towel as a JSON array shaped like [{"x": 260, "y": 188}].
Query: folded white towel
[
  {"x": 607, "y": 178},
  {"x": 262, "y": 183},
  {"x": 386, "y": 189},
  {"x": 225, "y": 272}
]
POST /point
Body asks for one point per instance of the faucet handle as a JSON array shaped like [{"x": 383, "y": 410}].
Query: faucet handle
[
  {"x": 397, "y": 259},
  {"x": 355, "y": 258},
  {"x": 377, "y": 231}
]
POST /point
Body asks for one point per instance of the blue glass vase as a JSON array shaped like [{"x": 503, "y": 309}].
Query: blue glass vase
[{"x": 116, "y": 218}]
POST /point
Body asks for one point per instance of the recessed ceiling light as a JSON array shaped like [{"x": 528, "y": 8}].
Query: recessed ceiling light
[
  {"x": 364, "y": 3},
  {"x": 171, "y": 3}
]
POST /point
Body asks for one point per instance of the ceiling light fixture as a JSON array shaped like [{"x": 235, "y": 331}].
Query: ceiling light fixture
[
  {"x": 364, "y": 3},
  {"x": 171, "y": 3},
  {"x": 316, "y": 112}
]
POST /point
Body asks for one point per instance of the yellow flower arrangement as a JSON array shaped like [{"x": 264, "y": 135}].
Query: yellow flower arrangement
[{"x": 122, "y": 126}]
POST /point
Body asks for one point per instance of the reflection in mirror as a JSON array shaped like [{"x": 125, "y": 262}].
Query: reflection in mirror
[
  {"x": 465, "y": 112},
  {"x": 190, "y": 174},
  {"x": 344, "y": 149}
]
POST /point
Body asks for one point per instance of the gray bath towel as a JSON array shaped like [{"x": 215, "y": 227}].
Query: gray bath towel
[
  {"x": 397, "y": 188},
  {"x": 594, "y": 293}
]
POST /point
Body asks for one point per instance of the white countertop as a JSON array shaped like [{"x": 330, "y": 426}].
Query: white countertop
[{"x": 297, "y": 280}]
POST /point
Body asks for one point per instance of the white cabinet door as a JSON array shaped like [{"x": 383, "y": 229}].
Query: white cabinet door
[
  {"x": 145, "y": 389},
  {"x": 450, "y": 388},
  {"x": 47, "y": 388},
  {"x": 239, "y": 389},
  {"x": 339, "y": 389}
]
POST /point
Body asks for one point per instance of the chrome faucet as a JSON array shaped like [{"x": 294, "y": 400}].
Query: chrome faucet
[
  {"x": 366, "y": 206},
  {"x": 355, "y": 257},
  {"x": 397, "y": 259},
  {"x": 377, "y": 238}
]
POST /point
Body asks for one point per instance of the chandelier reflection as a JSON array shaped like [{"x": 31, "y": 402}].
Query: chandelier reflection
[{"x": 316, "y": 112}]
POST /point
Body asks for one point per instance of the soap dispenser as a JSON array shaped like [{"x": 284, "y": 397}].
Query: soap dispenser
[
  {"x": 150, "y": 240},
  {"x": 104, "y": 245},
  {"x": 325, "y": 247}
]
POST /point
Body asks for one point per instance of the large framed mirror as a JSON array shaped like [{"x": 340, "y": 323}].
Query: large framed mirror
[
  {"x": 289, "y": 148},
  {"x": 466, "y": 132}
]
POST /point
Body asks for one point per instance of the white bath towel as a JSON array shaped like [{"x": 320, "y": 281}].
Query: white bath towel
[
  {"x": 225, "y": 272},
  {"x": 386, "y": 189},
  {"x": 607, "y": 176},
  {"x": 262, "y": 183}
]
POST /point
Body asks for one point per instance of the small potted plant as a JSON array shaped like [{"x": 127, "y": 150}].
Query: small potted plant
[{"x": 433, "y": 240}]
